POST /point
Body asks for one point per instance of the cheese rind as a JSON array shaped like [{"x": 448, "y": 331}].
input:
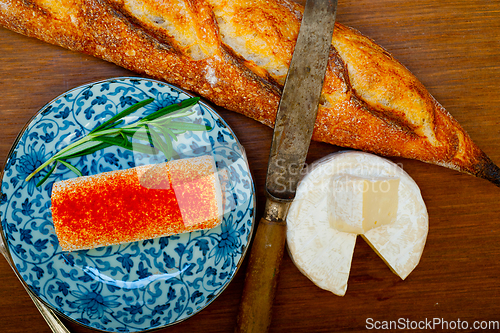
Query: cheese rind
[
  {"x": 359, "y": 204},
  {"x": 323, "y": 253}
]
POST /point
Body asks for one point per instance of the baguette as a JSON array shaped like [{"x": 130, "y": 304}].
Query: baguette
[{"x": 236, "y": 54}]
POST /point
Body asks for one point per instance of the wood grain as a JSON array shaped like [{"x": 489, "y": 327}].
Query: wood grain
[{"x": 453, "y": 47}]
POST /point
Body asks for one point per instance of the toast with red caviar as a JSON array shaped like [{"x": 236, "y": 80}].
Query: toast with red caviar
[{"x": 236, "y": 54}]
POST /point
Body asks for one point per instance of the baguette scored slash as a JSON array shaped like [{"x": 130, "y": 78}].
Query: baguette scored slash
[{"x": 236, "y": 54}]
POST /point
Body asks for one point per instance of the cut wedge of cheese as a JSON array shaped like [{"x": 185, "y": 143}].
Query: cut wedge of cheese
[
  {"x": 351, "y": 193},
  {"x": 359, "y": 204},
  {"x": 136, "y": 204}
]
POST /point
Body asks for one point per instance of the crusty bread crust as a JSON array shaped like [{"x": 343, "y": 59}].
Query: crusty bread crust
[{"x": 235, "y": 54}]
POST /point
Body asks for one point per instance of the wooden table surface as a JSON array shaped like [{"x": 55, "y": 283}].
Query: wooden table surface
[{"x": 453, "y": 47}]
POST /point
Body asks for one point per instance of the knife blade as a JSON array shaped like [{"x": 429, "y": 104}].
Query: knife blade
[{"x": 291, "y": 138}]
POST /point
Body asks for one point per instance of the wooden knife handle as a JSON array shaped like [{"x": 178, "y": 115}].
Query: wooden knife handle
[{"x": 261, "y": 277}]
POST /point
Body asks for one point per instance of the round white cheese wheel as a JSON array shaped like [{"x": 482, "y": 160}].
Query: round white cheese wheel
[{"x": 322, "y": 252}]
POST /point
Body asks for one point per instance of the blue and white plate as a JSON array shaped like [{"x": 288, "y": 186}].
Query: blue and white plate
[{"x": 136, "y": 286}]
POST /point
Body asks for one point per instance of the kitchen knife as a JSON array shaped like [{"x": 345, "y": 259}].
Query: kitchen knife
[{"x": 292, "y": 135}]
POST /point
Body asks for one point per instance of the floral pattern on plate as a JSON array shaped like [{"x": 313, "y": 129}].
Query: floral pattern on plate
[{"x": 136, "y": 286}]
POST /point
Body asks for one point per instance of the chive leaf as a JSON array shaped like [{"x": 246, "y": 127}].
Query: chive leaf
[
  {"x": 47, "y": 175},
  {"x": 71, "y": 167},
  {"x": 157, "y": 129},
  {"x": 124, "y": 113},
  {"x": 158, "y": 142},
  {"x": 184, "y": 105}
]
